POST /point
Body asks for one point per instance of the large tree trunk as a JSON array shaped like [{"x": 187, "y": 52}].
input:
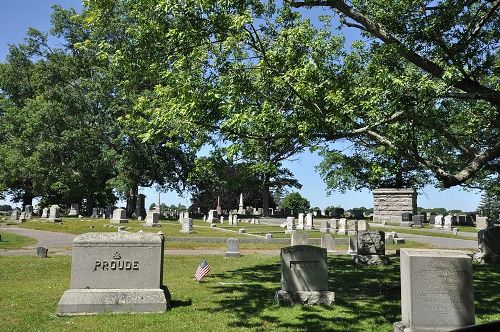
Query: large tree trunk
[
  {"x": 28, "y": 196},
  {"x": 265, "y": 195},
  {"x": 132, "y": 200},
  {"x": 90, "y": 204}
]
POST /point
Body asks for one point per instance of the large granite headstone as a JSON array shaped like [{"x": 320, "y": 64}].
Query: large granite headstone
[
  {"x": 488, "y": 241},
  {"x": 54, "y": 213},
  {"x": 390, "y": 203},
  {"x": 304, "y": 276},
  {"x": 481, "y": 223},
  {"x": 115, "y": 272},
  {"x": 119, "y": 216},
  {"x": 436, "y": 290},
  {"x": 370, "y": 248},
  {"x": 152, "y": 218},
  {"x": 233, "y": 248}
]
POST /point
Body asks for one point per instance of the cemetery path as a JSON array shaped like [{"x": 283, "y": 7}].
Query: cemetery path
[
  {"x": 44, "y": 238},
  {"x": 441, "y": 242}
]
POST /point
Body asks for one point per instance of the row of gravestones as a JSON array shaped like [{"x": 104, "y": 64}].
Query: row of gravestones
[
  {"x": 122, "y": 272},
  {"x": 439, "y": 221},
  {"x": 51, "y": 214}
]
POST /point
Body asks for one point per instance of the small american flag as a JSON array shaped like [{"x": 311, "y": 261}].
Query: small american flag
[{"x": 202, "y": 270}]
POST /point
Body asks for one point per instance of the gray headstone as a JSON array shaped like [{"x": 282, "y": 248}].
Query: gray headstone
[
  {"x": 45, "y": 213},
  {"x": 406, "y": 216},
  {"x": 119, "y": 216},
  {"x": 352, "y": 226},
  {"x": 187, "y": 225},
  {"x": 95, "y": 213},
  {"x": 73, "y": 211},
  {"x": 269, "y": 236},
  {"x": 42, "y": 252},
  {"x": 436, "y": 290},
  {"x": 363, "y": 225},
  {"x": 54, "y": 213},
  {"x": 115, "y": 272},
  {"x": 371, "y": 243},
  {"x": 299, "y": 238},
  {"x": 481, "y": 223},
  {"x": 342, "y": 226},
  {"x": 15, "y": 214},
  {"x": 325, "y": 226},
  {"x": 328, "y": 243},
  {"x": 304, "y": 268},
  {"x": 300, "y": 221},
  {"x": 233, "y": 248},
  {"x": 28, "y": 209},
  {"x": 290, "y": 225},
  {"x": 309, "y": 222}
]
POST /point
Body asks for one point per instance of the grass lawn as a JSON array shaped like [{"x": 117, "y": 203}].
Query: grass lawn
[
  {"x": 14, "y": 241},
  {"x": 237, "y": 295},
  {"x": 417, "y": 231}
]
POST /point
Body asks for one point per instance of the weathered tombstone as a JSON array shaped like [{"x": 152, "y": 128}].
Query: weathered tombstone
[
  {"x": 309, "y": 221},
  {"x": 22, "y": 217},
  {"x": 73, "y": 211},
  {"x": 41, "y": 252},
  {"x": 481, "y": 223},
  {"x": 436, "y": 290},
  {"x": 304, "y": 277},
  {"x": 488, "y": 241},
  {"x": 109, "y": 212},
  {"x": 140, "y": 207},
  {"x": 406, "y": 219},
  {"x": 370, "y": 248},
  {"x": 152, "y": 218},
  {"x": 45, "y": 213},
  {"x": 438, "y": 221},
  {"x": 417, "y": 220},
  {"x": 342, "y": 226},
  {"x": 119, "y": 217},
  {"x": 54, "y": 213},
  {"x": 28, "y": 209},
  {"x": 15, "y": 214},
  {"x": 300, "y": 221},
  {"x": 363, "y": 225},
  {"x": 242, "y": 231},
  {"x": 187, "y": 225},
  {"x": 233, "y": 248},
  {"x": 211, "y": 216},
  {"x": 448, "y": 221},
  {"x": 328, "y": 243},
  {"x": 299, "y": 238},
  {"x": 325, "y": 226},
  {"x": 353, "y": 244},
  {"x": 432, "y": 218},
  {"x": 290, "y": 225},
  {"x": 352, "y": 227},
  {"x": 235, "y": 220},
  {"x": 269, "y": 237},
  {"x": 333, "y": 225},
  {"x": 95, "y": 213},
  {"x": 115, "y": 272}
]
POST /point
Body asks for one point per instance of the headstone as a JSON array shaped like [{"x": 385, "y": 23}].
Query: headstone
[
  {"x": 22, "y": 217},
  {"x": 95, "y": 213},
  {"x": 309, "y": 221},
  {"x": 45, "y": 213},
  {"x": 187, "y": 225},
  {"x": 152, "y": 218},
  {"x": 54, "y": 213},
  {"x": 28, "y": 209},
  {"x": 140, "y": 206},
  {"x": 269, "y": 237},
  {"x": 432, "y": 218},
  {"x": 233, "y": 248},
  {"x": 73, "y": 211},
  {"x": 448, "y": 221},
  {"x": 15, "y": 214},
  {"x": 300, "y": 221},
  {"x": 299, "y": 238},
  {"x": 328, "y": 243},
  {"x": 119, "y": 216},
  {"x": 241, "y": 209},
  {"x": 363, "y": 225},
  {"x": 290, "y": 225},
  {"x": 42, "y": 252},
  {"x": 304, "y": 276},
  {"x": 115, "y": 272},
  {"x": 342, "y": 226},
  {"x": 242, "y": 231},
  {"x": 438, "y": 221},
  {"x": 406, "y": 219},
  {"x": 488, "y": 241},
  {"x": 436, "y": 290},
  {"x": 325, "y": 226},
  {"x": 481, "y": 223},
  {"x": 370, "y": 248},
  {"x": 352, "y": 227},
  {"x": 417, "y": 220},
  {"x": 211, "y": 216}
]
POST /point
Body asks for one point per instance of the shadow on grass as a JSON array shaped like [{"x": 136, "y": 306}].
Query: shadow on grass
[
  {"x": 364, "y": 297},
  {"x": 487, "y": 290}
]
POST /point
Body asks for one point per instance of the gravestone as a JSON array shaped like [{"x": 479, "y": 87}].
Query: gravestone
[
  {"x": 22, "y": 217},
  {"x": 438, "y": 221},
  {"x": 152, "y": 218},
  {"x": 242, "y": 231},
  {"x": 45, "y": 213},
  {"x": 328, "y": 243},
  {"x": 481, "y": 223},
  {"x": 436, "y": 290},
  {"x": 269, "y": 237},
  {"x": 95, "y": 213},
  {"x": 417, "y": 220},
  {"x": 42, "y": 252},
  {"x": 233, "y": 248},
  {"x": 432, "y": 218},
  {"x": 290, "y": 225},
  {"x": 309, "y": 221},
  {"x": 299, "y": 238},
  {"x": 187, "y": 225},
  {"x": 352, "y": 227},
  {"x": 325, "y": 226},
  {"x": 449, "y": 221},
  {"x": 300, "y": 221},
  {"x": 363, "y": 225},
  {"x": 28, "y": 209},
  {"x": 212, "y": 214},
  {"x": 353, "y": 244},
  {"x": 406, "y": 219},
  {"x": 488, "y": 241},
  {"x": 140, "y": 207},
  {"x": 54, "y": 213},
  {"x": 235, "y": 220},
  {"x": 73, "y": 211},
  {"x": 342, "y": 226},
  {"x": 119, "y": 217},
  {"x": 15, "y": 215},
  {"x": 370, "y": 248},
  {"x": 304, "y": 276},
  {"x": 390, "y": 203},
  {"x": 115, "y": 272}
]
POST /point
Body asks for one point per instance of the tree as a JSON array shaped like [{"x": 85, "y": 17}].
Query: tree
[
  {"x": 295, "y": 202},
  {"x": 489, "y": 206}
]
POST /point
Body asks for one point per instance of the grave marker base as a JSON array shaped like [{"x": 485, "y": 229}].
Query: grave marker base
[
  {"x": 371, "y": 259},
  {"x": 285, "y": 298}
]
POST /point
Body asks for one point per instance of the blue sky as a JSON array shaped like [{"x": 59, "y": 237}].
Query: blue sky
[{"x": 17, "y": 15}]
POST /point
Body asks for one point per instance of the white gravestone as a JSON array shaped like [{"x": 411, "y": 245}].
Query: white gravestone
[
  {"x": 233, "y": 248},
  {"x": 342, "y": 226},
  {"x": 187, "y": 225},
  {"x": 115, "y": 272},
  {"x": 290, "y": 225},
  {"x": 152, "y": 218},
  {"x": 119, "y": 217},
  {"x": 309, "y": 221},
  {"x": 300, "y": 221},
  {"x": 438, "y": 221},
  {"x": 54, "y": 213},
  {"x": 45, "y": 213},
  {"x": 73, "y": 211},
  {"x": 436, "y": 290},
  {"x": 299, "y": 238}
]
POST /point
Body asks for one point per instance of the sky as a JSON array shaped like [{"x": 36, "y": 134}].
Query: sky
[{"x": 16, "y": 16}]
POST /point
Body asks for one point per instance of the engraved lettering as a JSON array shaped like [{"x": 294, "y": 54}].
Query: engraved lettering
[
  {"x": 112, "y": 265},
  {"x": 136, "y": 266},
  {"x": 97, "y": 264}
]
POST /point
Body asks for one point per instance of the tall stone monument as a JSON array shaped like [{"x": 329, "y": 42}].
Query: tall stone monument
[
  {"x": 390, "y": 203},
  {"x": 241, "y": 209},
  {"x": 140, "y": 207},
  {"x": 436, "y": 290},
  {"x": 115, "y": 272}
]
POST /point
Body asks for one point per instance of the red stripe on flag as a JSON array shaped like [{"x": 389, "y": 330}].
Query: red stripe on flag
[{"x": 201, "y": 272}]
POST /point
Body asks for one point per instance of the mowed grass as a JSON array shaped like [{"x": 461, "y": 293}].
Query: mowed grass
[
  {"x": 419, "y": 231},
  {"x": 238, "y": 295},
  {"x": 14, "y": 241}
]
